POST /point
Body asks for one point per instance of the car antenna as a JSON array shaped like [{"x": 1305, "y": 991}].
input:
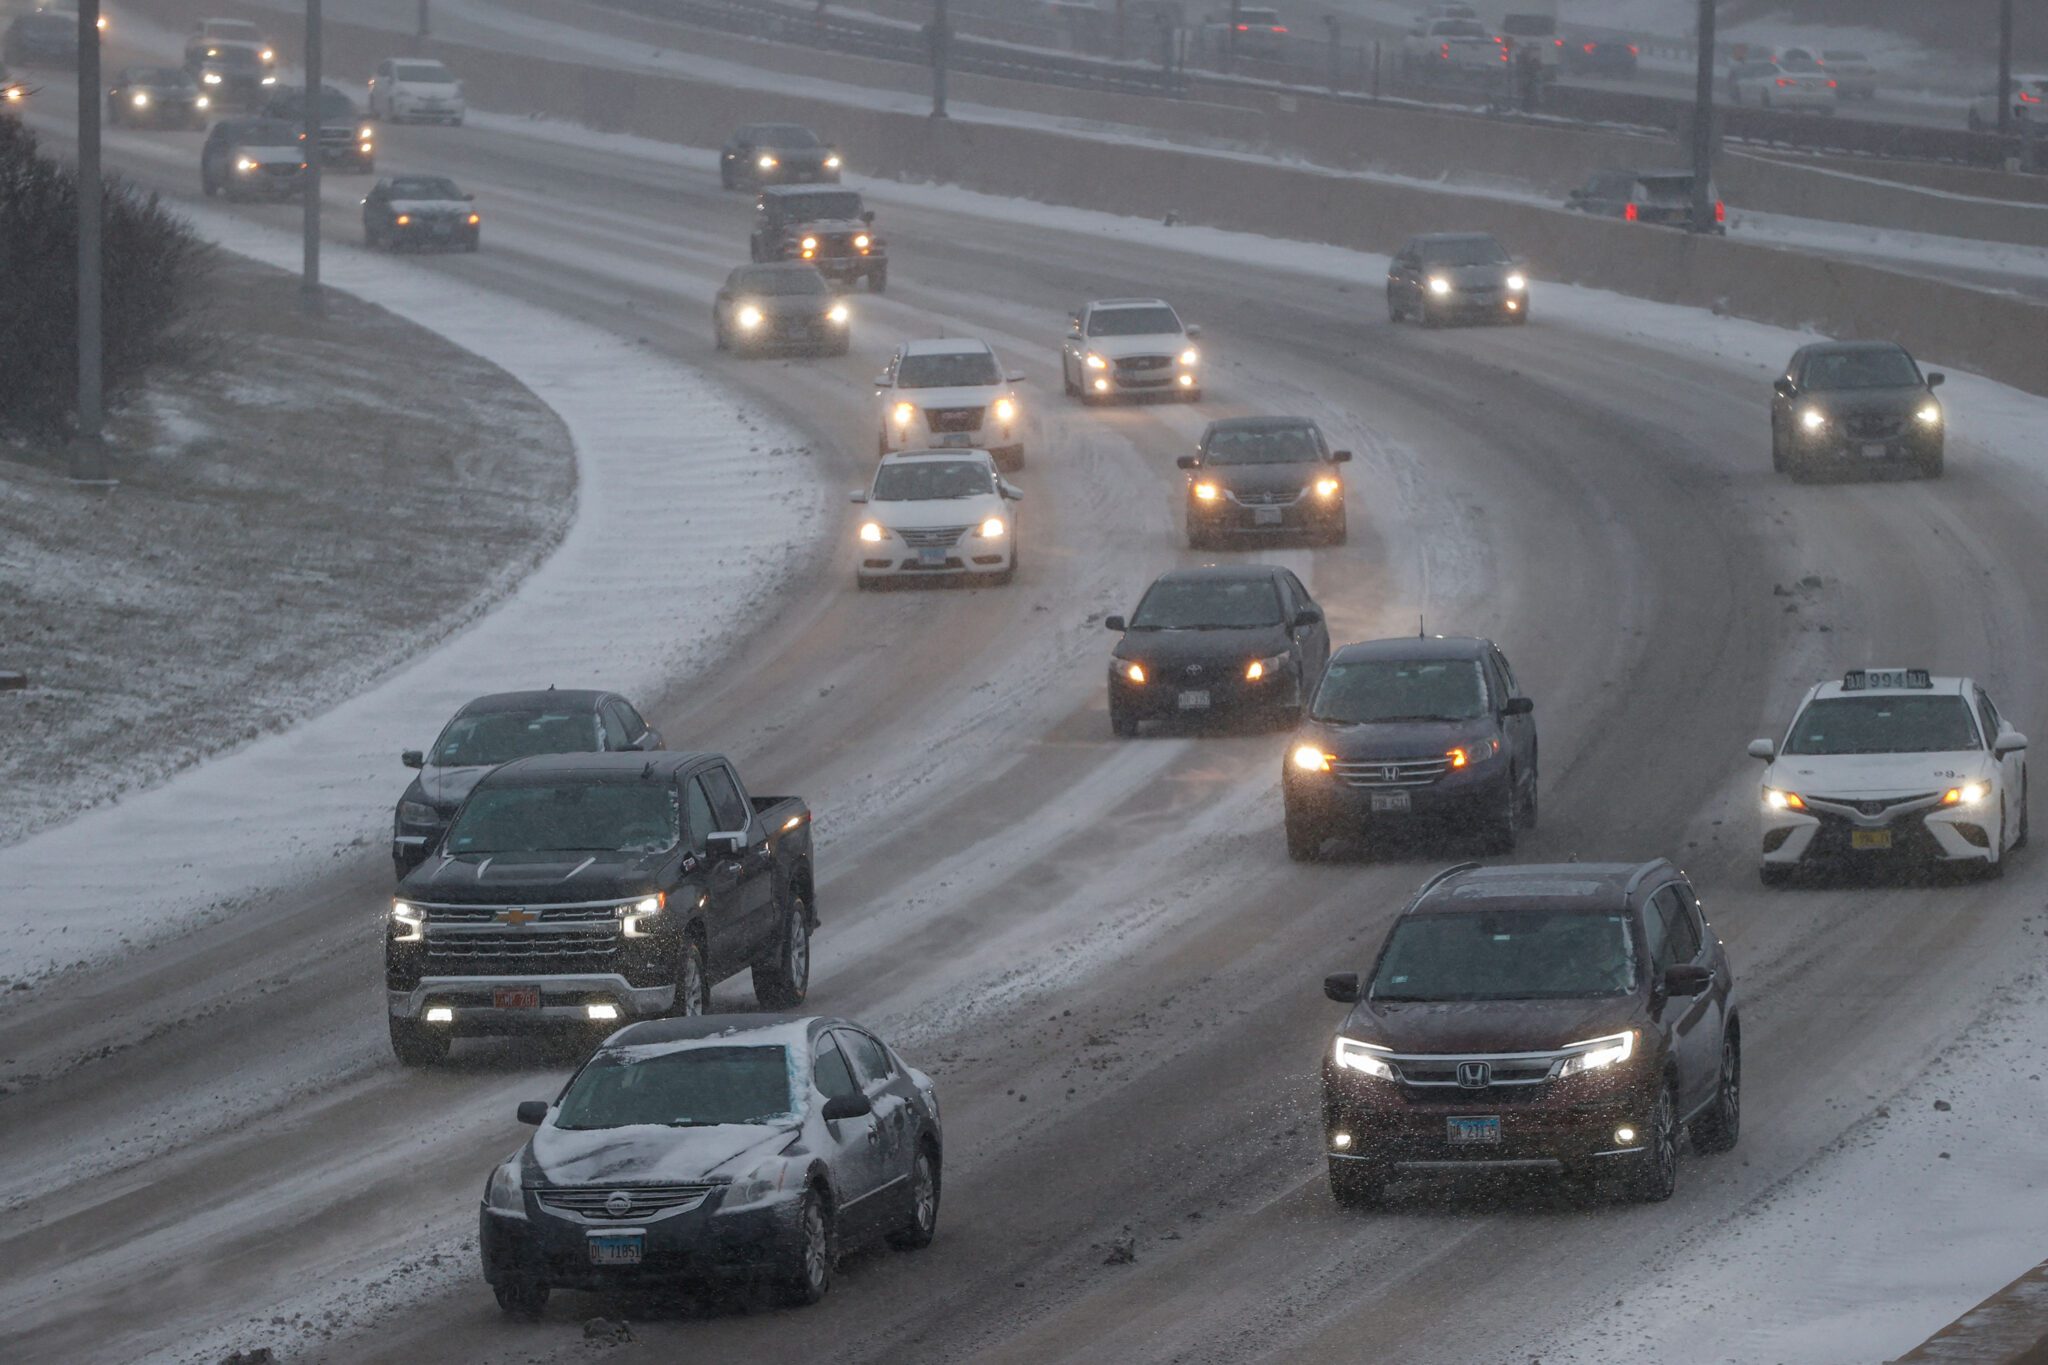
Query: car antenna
[
  {"x": 647, "y": 769},
  {"x": 1418, "y": 627},
  {"x": 551, "y": 687}
]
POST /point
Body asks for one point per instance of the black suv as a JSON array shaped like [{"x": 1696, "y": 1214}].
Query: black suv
[
  {"x": 345, "y": 140},
  {"x": 1264, "y": 476},
  {"x": 1407, "y": 731},
  {"x": 1856, "y": 404},
  {"x": 1570, "y": 1017},
  {"x": 828, "y": 228}
]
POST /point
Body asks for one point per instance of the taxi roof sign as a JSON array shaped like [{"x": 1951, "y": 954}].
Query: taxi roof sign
[{"x": 1863, "y": 679}]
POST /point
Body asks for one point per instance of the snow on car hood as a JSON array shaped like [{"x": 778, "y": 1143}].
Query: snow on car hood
[
  {"x": 1875, "y": 774},
  {"x": 1158, "y": 343},
  {"x": 938, "y": 511},
  {"x": 650, "y": 1153}
]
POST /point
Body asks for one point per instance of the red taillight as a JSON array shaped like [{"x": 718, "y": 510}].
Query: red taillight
[
  {"x": 1628, "y": 211},
  {"x": 1558, "y": 41},
  {"x": 1244, "y": 28},
  {"x": 1444, "y": 51},
  {"x": 1784, "y": 81},
  {"x": 1634, "y": 51},
  {"x": 2025, "y": 98},
  {"x": 1590, "y": 46},
  {"x": 1831, "y": 85},
  {"x": 1720, "y": 212},
  {"x": 1279, "y": 28}
]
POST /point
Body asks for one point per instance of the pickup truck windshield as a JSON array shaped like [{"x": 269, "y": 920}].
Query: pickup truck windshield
[
  {"x": 1861, "y": 370},
  {"x": 496, "y": 737},
  {"x": 1132, "y": 322},
  {"x": 1884, "y": 725},
  {"x": 1262, "y": 445},
  {"x": 693, "y": 1088},
  {"x": 960, "y": 369},
  {"x": 1506, "y": 955},
  {"x": 928, "y": 479},
  {"x": 1377, "y": 691},
  {"x": 567, "y": 817},
  {"x": 1208, "y": 604},
  {"x": 801, "y": 208}
]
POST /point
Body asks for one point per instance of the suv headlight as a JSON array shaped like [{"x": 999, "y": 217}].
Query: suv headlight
[
  {"x": 502, "y": 1193},
  {"x": 1368, "y": 1058},
  {"x": 904, "y": 413},
  {"x": 770, "y": 1180},
  {"x": 1929, "y": 414},
  {"x": 1813, "y": 419},
  {"x": 418, "y": 813},
  {"x": 1095, "y": 362},
  {"x": 408, "y": 923},
  {"x": 1005, "y": 410},
  {"x": 1517, "y": 282},
  {"x": 1600, "y": 1053},
  {"x": 1264, "y": 668},
  {"x": 638, "y": 917},
  {"x": 1439, "y": 285},
  {"x": 1328, "y": 488},
  {"x": 1190, "y": 356},
  {"x": 1310, "y": 759},
  {"x": 872, "y": 532}
]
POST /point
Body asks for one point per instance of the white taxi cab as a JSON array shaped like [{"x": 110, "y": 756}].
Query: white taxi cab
[{"x": 1892, "y": 765}]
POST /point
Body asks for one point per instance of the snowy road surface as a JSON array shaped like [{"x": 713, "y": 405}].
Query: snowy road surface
[{"x": 1099, "y": 948}]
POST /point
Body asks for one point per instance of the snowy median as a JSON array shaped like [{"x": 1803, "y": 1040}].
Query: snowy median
[{"x": 692, "y": 511}]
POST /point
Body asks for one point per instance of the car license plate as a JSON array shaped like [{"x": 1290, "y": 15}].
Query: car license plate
[
  {"x": 1467, "y": 1131},
  {"x": 933, "y": 555},
  {"x": 1390, "y": 803},
  {"x": 1265, "y": 516},
  {"x": 1194, "y": 701},
  {"x": 1870, "y": 838},
  {"x": 516, "y": 997},
  {"x": 1876, "y": 450},
  {"x": 957, "y": 438},
  {"x": 617, "y": 1248}
]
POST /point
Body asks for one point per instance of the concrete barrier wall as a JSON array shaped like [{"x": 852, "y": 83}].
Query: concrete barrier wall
[{"x": 1994, "y": 335}]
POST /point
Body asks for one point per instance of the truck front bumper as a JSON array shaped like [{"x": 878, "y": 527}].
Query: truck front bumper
[{"x": 473, "y": 1002}]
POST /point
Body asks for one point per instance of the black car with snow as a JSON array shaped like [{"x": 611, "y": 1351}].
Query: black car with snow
[
  {"x": 828, "y": 228},
  {"x": 1575, "y": 1018},
  {"x": 776, "y": 154},
  {"x": 156, "y": 97},
  {"x": 1413, "y": 732},
  {"x": 1218, "y": 640},
  {"x": 1264, "y": 476},
  {"x": 783, "y": 306},
  {"x": 730, "y": 1147},
  {"x": 1444, "y": 275},
  {"x": 345, "y": 140},
  {"x": 1856, "y": 405},
  {"x": 494, "y": 730},
  {"x": 421, "y": 211},
  {"x": 576, "y": 890}
]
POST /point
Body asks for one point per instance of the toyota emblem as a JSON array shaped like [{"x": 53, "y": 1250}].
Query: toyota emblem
[
  {"x": 618, "y": 1203},
  {"x": 1194, "y": 670}
]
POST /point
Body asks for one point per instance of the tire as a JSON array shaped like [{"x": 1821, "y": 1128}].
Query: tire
[
  {"x": 693, "y": 982},
  {"x": 1716, "y": 1129},
  {"x": 1122, "y": 723},
  {"x": 521, "y": 1297},
  {"x": 414, "y": 1044},
  {"x": 1071, "y": 389},
  {"x": 1356, "y": 1185},
  {"x": 1779, "y": 463},
  {"x": 1994, "y": 862},
  {"x": 1774, "y": 874},
  {"x": 923, "y": 1220},
  {"x": 1503, "y": 826},
  {"x": 782, "y": 983},
  {"x": 1305, "y": 838},
  {"x": 725, "y": 180},
  {"x": 1394, "y": 313},
  {"x": 809, "y": 1275},
  {"x": 1652, "y": 1177},
  {"x": 1531, "y": 808},
  {"x": 1930, "y": 466},
  {"x": 878, "y": 280},
  {"x": 2020, "y": 840}
]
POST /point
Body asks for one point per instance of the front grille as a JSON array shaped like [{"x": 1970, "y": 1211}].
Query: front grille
[
  {"x": 1874, "y": 808},
  {"x": 832, "y": 243},
  {"x": 603, "y": 913},
  {"x": 1266, "y": 499},
  {"x": 933, "y": 537},
  {"x": 1391, "y": 772},
  {"x": 953, "y": 419},
  {"x": 641, "y": 1201},
  {"x": 1874, "y": 427},
  {"x": 1134, "y": 363},
  {"x": 1442, "y": 1072}
]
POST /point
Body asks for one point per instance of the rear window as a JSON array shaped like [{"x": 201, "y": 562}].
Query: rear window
[
  {"x": 1666, "y": 189},
  {"x": 428, "y": 73},
  {"x": 1264, "y": 18}
]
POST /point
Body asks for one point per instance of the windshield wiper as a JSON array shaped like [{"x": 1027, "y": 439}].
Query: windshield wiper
[{"x": 1388, "y": 720}]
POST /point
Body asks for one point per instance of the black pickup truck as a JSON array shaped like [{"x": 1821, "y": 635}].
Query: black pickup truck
[
  {"x": 824, "y": 226},
  {"x": 582, "y": 891},
  {"x": 345, "y": 140}
]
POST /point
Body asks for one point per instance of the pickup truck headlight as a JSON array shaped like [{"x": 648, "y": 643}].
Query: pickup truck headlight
[
  {"x": 863, "y": 241},
  {"x": 1813, "y": 419},
  {"x": 417, "y": 813},
  {"x": 1600, "y": 1053},
  {"x": 502, "y": 1193},
  {"x": 1095, "y": 362},
  {"x": 637, "y": 918},
  {"x": 408, "y": 923},
  {"x": 1439, "y": 285},
  {"x": 810, "y": 244},
  {"x": 1005, "y": 410},
  {"x": 1366, "y": 1058}
]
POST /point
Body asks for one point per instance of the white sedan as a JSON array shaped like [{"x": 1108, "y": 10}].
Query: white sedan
[
  {"x": 937, "y": 514},
  {"x": 1125, "y": 347},
  {"x": 416, "y": 90},
  {"x": 951, "y": 393},
  {"x": 1769, "y": 85},
  {"x": 1888, "y": 767}
]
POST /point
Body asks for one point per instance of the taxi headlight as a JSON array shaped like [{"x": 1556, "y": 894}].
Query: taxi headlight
[
  {"x": 1310, "y": 759},
  {"x": 1006, "y": 411},
  {"x": 1133, "y": 671},
  {"x": 1780, "y": 800},
  {"x": 766, "y": 163},
  {"x": 1813, "y": 419},
  {"x": 993, "y": 529},
  {"x": 1190, "y": 356},
  {"x": 749, "y": 316},
  {"x": 839, "y": 313},
  {"x": 211, "y": 78},
  {"x": 502, "y": 1193},
  {"x": 1517, "y": 282},
  {"x": 1328, "y": 488},
  {"x": 1439, "y": 285},
  {"x": 1366, "y": 1058},
  {"x": 1969, "y": 794},
  {"x": 862, "y": 241},
  {"x": 635, "y": 915},
  {"x": 903, "y": 413},
  {"x": 141, "y": 100},
  {"x": 245, "y": 165},
  {"x": 1600, "y": 1053},
  {"x": 1930, "y": 415},
  {"x": 872, "y": 532},
  {"x": 1096, "y": 362},
  {"x": 408, "y": 924},
  {"x": 832, "y": 164},
  {"x": 1206, "y": 492}
]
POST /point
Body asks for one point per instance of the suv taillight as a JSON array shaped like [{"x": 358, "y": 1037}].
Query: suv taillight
[
  {"x": 1628, "y": 211},
  {"x": 1720, "y": 212}
]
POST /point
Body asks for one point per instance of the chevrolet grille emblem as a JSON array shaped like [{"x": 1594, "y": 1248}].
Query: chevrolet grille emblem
[{"x": 518, "y": 916}]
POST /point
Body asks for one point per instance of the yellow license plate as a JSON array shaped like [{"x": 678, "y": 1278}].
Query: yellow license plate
[{"x": 1870, "y": 838}]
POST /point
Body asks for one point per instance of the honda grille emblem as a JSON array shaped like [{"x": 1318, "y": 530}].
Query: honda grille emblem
[
  {"x": 618, "y": 1203},
  {"x": 1474, "y": 1075},
  {"x": 1389, "y": 773},
  {"x": 518, "y": 916}
]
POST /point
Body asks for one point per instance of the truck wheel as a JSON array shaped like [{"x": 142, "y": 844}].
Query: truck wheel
[
  {"x": 1502, "y": 826},
  {"x": 1717, "y": 1129},
  {"x": 415, "y": 1044},
  {"x": 781, "y": 982},
  {"x": 1356, "y": 1185},
  {"x": 521, "y": 1296},
  {"x": 693, "y": 983},
  {"x": 1304, "y": 841}
]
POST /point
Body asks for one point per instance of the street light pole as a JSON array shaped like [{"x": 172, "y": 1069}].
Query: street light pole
[
  {"x": 1703, "y": 124},
  {"x": 2004, "y": 68},
  {"x": 91, "y": 299},
  {"x": 309, "y": 283}
]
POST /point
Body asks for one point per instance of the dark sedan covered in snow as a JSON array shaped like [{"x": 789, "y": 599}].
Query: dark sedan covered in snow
[{"x": 421, "y": 211}]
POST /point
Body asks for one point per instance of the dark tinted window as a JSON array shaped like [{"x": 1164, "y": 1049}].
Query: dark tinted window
[
  {"x": 1886, "y": 369},
  {"x": 1376, "y": 691},
  {"x": 493, "y": 737},
  {"x": 1464, "y": 251},
  {"x": 1208, "y": 604},
  {"x": 1676, "y": 938},
  {"x": 1263, "y": 445},
  {"x": 1506, "y": 955},
  {"x": 725, "y": 800},
  {"x": 1132, "y": 322},
  {"x": 831, "y": 1073},
  {"x": 1887, "y": 724},
  {"x": 635, "y": 727},
  {"x": 956, "y": 369},
  {"x": 693, "y": 1088}
]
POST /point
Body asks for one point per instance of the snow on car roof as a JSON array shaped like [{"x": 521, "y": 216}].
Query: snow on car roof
[
  {"x": 1130, "y": 303},
  {"x": 709, "y": 1030},
  {"x": 946, "y": 346},
  {"x": 949, "y": 453}
]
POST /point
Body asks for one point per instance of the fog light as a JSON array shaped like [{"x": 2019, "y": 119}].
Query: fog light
[
  {"x": 1624, "y": 1136},
  {"x": 1514, "y": 305},
  {"x": 602, "y": 1011},
  {"x": 1102, "y": 386},
  {"x": 1187, "y": 381},
  {"x": 440, "y": 1014},
  {"x": 1341, "y": 1141}
]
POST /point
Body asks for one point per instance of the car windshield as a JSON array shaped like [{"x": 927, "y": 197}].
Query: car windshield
[
  {"x": 1464, "y": 251},
  {"x": 828, "y": 204},
  {"x": 427, "y": 73},
  {"x": 781, "y": 283},
  {"x": 693, "y": 1088},
  {"x": 424, "y": 187},
  {"x": 1378, "y": 691},
  {"x": 1264, "y": 18},
  {"x": 956, "y": 369},
  {"x": 269, "y": 132},
  {"x": 1132, "y": 322},
  {"x": 1506, "y": 954},
  {"x": 1262, "y": 445},
  {"x": 784, "y": 135},
  {"x": 158, "y": 75},
  {"x": 567, "y": 817},
  {"x": 231, "y": 30},
  {"x": 1883, "y": 725},
  {"x": 1885, "y": 369},
  {"x": 1208, "y": 604},
  {"x": 494, "y": 737},
  {"x": 923, "y": 480}
]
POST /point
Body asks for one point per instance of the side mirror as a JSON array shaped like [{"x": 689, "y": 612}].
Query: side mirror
[
  {"x": 1014, "y": 377},
  {"x": 857, "y": 495},
  {"x": 1193, "y": 332},
  {"x": 1074, "y": 335},
  {"x": 1307, "y": 616},
  {"x": 413, "y": 758},
  {"x": 1784, "y": 388},
  {"x": 1342, "y": 987},
  {"x": 1935, "y": 379},
  {"x": 868, "y": 216},
  {"x": 532, "y": 1112},
  {"x": 728, "y": 843},
  {"x": 1340, "y": 457},
  {"x": 2008, "y": 744},
  {"x": 1687, "y": 979},
  {"x": 856, "y": 1105},
  {"x": 649, "y": 741},
  {"x": 1765, "y": 749},
  {"x": 1188, "y": 462},
  {"x": 882, "y": 380},
  {"x": 1114, "y": 623},
  {"x": 1009, "y": 490},
  {"x": 1518, "y": 706}
]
